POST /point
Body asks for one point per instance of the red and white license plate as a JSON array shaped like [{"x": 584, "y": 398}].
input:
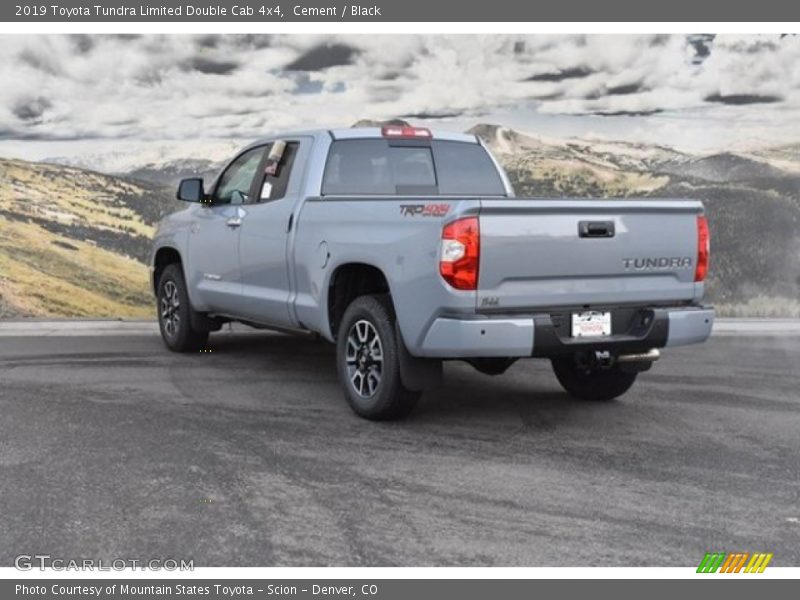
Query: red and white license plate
[{"x": 591, "y": 324}]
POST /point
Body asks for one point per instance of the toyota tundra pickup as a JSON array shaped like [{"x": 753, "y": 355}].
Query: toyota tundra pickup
[{"x": 407, "y": 248}]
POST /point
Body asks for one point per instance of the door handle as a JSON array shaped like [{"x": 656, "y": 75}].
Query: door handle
[
  {"x": 596, "y": 229},
  {"x": 234, "y": 222}
]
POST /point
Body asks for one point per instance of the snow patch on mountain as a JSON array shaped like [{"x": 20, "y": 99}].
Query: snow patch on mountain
[{"x": 127, "y": 158}]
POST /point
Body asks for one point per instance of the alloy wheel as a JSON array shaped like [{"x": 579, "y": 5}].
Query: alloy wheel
[
  {"x": 364, "y": 358},
  {"x": 170, "y": 305}
]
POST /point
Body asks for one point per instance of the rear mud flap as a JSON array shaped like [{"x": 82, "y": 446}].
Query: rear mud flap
[{"x": 417, "y": 374}]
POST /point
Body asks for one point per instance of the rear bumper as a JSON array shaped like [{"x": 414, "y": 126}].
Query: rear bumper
[
  {"x": 689, "y": 326},
  {"x": 547, "y": 335}
]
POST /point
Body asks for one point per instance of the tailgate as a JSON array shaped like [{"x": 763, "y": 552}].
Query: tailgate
[{"x": 561, "y": 253}]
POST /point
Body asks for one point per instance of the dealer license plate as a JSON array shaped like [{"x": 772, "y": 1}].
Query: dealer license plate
[{"x": 591, "y": 324}]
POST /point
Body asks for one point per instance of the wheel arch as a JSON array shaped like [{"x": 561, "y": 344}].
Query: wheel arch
[
  {"x": 165, "y": 256},
  {"x": 347, "y": 282}
]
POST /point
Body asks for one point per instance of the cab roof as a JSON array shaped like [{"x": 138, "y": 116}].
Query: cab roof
[
  {"x": 351, "y": 133},
  {"x": 375, "y": 132}
]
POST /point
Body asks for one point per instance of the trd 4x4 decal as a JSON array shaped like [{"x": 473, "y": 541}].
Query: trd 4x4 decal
[{"x": 424, "y": 210}]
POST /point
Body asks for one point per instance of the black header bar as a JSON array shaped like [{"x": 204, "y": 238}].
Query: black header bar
[{"x": 276, "y": 11}]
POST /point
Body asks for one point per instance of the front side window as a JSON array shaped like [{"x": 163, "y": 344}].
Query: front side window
[{"x": 239, "y": 175}]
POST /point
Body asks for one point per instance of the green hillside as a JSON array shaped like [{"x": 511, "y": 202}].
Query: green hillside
[{"x": 73, "y": 243}]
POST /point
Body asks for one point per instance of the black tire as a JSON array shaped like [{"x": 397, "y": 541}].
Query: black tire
[
  {"x": 175, "y": 313},
  {"x": 598, "y": 385},
  {"x": 372, "y": 387}
]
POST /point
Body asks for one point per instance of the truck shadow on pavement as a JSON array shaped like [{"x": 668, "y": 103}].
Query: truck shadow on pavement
[{"x": 527, "y": 392}]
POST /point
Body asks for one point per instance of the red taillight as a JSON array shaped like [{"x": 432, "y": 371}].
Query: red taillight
[
  {"x": 460, "y": 253},
  {"x": 703, "y": 249},
  {"x": 398, "y": 131}
]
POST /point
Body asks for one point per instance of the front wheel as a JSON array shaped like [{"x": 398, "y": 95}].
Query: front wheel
[
  {"x": 368, "y": 362},
  {"x": 175, "y": 313},
  {"x": 597, "y": 384}
]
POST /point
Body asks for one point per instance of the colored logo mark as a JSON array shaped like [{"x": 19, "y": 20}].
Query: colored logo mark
[{"x": 734, "y": 562}]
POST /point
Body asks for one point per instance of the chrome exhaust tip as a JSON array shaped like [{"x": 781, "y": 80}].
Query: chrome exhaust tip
[{"x": 650, "y": 356}]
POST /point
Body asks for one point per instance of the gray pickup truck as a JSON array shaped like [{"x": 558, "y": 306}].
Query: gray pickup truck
[{"x": 407, "y": 247}]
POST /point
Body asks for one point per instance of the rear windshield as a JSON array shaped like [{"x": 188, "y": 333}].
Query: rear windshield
[{"x": 379, "y": 166}]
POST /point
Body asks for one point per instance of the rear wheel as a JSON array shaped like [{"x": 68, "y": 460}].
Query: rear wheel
[
  {"x": 368, "y": 361},
  {"x": 175, "y": 313},
  {"x": 592, "y": 383}
]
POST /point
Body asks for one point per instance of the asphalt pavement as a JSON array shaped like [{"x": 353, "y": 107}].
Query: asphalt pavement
[{"x": 247, "y": 455}]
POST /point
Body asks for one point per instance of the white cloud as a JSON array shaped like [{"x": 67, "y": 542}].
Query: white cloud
[{"x": 179, "y": 87}]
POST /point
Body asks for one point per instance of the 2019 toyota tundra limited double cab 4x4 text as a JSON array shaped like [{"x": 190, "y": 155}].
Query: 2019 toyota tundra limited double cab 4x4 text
[{"x": 407, "y": 248}]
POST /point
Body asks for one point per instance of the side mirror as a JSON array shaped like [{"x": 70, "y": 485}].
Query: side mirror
[{"x": 191, "y": 190}]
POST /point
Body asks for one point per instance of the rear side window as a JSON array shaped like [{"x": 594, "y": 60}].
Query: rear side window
[
  {"x": 273, "y": 182},
  {"x": 379, "y": 166}
]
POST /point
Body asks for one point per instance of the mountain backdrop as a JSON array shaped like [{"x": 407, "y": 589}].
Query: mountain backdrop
[{"x": 73, "y": 241}]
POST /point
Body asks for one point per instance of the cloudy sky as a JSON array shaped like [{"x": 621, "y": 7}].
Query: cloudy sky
[{"x": 698, "y": 93}]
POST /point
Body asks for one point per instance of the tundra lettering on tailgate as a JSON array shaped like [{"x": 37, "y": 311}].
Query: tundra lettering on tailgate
[
  {"x": 657, "y": 263},
  {"x": 424, "y": 210}
]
